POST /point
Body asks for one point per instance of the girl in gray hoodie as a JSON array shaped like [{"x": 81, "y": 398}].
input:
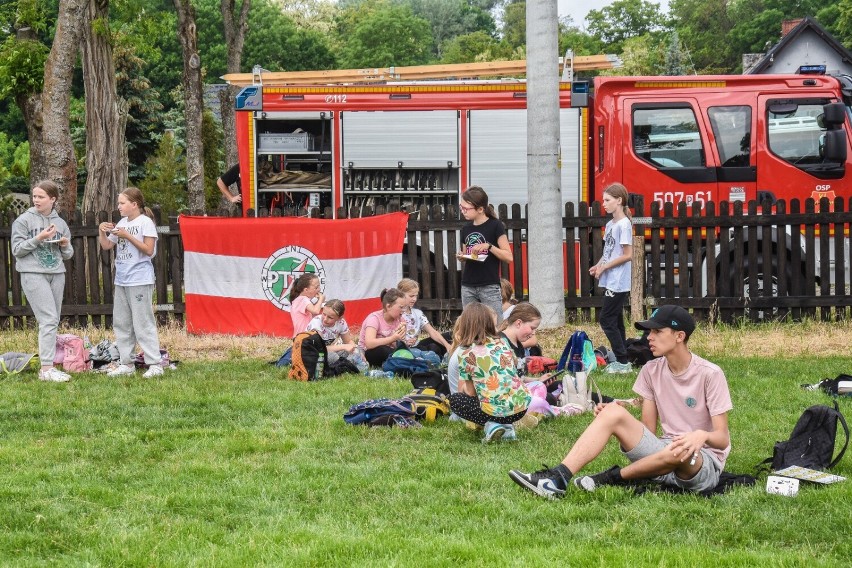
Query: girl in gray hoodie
[{"x": 41, "y": 241}]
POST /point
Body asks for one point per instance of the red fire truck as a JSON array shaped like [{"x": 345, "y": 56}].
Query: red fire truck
[{"x": 669, "y": 139}]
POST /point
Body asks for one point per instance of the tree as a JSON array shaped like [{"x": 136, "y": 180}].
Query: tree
[
  {"x": 106, "y": 113},
  {"x": 675, "y": 64},
  {"x": 515, "y": 24},
  {"x": 390, "y": 35},
  {"x": 449, "y": 19},
  {"x": 188, "y": 37},
  {"x": 58, "y": 74},
  {"x": 22, "y": 64},
  {"x": 475, "y": 46},
  {"x": 624, "y": 19},
  {"x": 703, "y": 27},
  {"x": 235, "y": 36}
]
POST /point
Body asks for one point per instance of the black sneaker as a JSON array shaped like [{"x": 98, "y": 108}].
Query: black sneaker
[
  {"x": 547, "y": 482},
  {"x": 592, "y": 482}
]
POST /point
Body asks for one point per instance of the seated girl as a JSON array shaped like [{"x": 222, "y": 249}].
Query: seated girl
[
  {"x": 383, "y": 331},
  {"x": 335, "y": 331},
  {"x": 305, "y": 301},
  {"x": 432, "y": 348},
  {"x": 529, "y": 345},
  {"x": 490, "y": 393}
]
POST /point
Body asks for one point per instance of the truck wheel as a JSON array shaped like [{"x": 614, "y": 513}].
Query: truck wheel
[{"x": 756, "y": 289}]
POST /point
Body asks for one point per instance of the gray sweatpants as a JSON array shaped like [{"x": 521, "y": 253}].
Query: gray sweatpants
[
  {"x": 44, "y": 295},
  {"x": 133, "y": 321}
]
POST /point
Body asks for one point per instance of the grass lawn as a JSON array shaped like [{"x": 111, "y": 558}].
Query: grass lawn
[{"x": 224, "y": 463}]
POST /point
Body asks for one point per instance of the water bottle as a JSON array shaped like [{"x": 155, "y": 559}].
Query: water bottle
[
  {"x": 86, "y": 343},
  {"x": 379, "y": 374},
  {"x": 320, "y": 366}
]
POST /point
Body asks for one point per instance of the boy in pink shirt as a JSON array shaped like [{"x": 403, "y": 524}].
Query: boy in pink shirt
[{"x": 688, "y": 396}]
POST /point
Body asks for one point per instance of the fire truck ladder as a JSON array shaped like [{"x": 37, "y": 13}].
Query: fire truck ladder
[{"x": 457, "y": 71}]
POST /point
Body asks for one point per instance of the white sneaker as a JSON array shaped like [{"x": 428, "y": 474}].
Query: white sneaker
[
  {"x": 122, "y": 370},
  {"x": 53, "y": 375},
  {"x": 153, "y": 371}
]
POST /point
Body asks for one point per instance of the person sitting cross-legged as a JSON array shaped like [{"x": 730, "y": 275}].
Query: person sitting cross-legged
[{"x": 687, "y": 394}]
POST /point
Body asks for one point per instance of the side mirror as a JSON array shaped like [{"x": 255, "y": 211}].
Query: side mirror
[
  {"x": 833, "y": 116},
  {"x": 833, "y": 146}
]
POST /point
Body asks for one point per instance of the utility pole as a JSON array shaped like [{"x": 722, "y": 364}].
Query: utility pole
[{"x": 544, "y": 213}]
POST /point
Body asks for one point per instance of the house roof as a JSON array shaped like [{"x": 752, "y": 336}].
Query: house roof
[{"x": 807, "y": 23}]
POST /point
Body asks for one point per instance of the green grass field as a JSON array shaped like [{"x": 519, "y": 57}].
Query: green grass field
[{"x": 226, "y": 464}]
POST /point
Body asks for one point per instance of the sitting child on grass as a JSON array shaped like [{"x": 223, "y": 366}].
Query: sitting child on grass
[
  {"x": 335, "y": 331},
  {"x": 433, "y": 348}
]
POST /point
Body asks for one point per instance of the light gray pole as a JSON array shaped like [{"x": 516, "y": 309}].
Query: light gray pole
[{"x": 543, "y": 175}]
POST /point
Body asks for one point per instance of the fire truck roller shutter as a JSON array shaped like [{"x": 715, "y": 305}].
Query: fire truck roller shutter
[{"x": 498, "y": 154}]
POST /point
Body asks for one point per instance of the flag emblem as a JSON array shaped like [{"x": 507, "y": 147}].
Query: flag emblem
[{"x": 283, "y": 268}]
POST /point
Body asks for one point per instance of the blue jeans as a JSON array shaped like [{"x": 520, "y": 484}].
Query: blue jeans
[{"x": 489, "y": 295}]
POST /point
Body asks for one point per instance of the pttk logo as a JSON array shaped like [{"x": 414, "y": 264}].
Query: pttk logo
[{"x": 283, "y": 268}]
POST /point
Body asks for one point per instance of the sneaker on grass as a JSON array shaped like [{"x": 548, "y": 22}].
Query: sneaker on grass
[
  {"x": 53, "y": 375},
  {"x": 494, "y": 431},
  {"x": 153, "y": 371},
  {"x": 618, "y": 368},
  {"x": 547, "y": 482},
  {"x": 122, "y": 370}
]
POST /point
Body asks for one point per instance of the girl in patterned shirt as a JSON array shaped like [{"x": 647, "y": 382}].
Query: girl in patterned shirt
[{"x": 490, "y": 393}]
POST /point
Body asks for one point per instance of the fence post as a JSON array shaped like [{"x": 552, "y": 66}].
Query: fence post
[{"x": 637, "y": 278}]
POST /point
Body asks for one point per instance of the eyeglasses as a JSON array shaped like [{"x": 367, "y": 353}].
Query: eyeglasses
[{"x": 466, "y": 209}]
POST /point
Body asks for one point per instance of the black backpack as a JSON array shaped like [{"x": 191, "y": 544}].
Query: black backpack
[
  {"x": 309, "y": 357},
  {"x": 432, "y": 379},
  {"x": 811, "y": 444}
]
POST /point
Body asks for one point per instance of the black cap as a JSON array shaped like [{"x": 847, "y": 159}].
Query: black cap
[{"x": 671, "y": 316}]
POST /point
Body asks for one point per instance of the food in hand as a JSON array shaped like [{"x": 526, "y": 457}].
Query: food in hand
[{"x": 474, "y": 256}]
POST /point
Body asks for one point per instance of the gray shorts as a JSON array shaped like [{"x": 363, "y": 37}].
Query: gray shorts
[
  {"x": 489, "y": 295},
  {"x": 706, "y": 478}
]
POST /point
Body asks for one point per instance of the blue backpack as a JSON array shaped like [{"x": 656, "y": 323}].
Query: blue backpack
[
  {"x": 382, "y": 412},
  {"x": 578, "y": 355},
  {"x": 403, "y": 364}
]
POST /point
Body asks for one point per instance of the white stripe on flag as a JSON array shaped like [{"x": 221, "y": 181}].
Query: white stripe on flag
[{"x": 239, "y": 277}]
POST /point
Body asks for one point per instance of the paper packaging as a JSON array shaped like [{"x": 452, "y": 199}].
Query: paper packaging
[{"x": 786, "y": 486}]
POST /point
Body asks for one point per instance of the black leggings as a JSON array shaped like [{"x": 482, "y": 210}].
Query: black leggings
[
  {"x": 467, "y": 407},
  {"x": 612, "y": 322},
  {"x": 377, "y": 356}
]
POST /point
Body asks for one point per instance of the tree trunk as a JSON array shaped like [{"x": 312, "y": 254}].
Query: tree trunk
[
  {"x": 235, "y": 34},
  {"x": 106, "y": 114},
  {"x": 194, "y": 105},
  {"x": 56, "y": 95},
  {"x": 30, "y": 105}
]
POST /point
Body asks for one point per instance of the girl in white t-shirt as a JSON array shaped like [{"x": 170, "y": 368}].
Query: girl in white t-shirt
[
  {"x": 335, "y": 331},
  {"x": 305, "y": 301},
  {"x": 613, "y": 272},
  {"x": 135, "y": 241},
  {"x": 436, "y": 345}
]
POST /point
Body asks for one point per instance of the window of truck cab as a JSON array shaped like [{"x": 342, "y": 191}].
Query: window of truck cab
[
  {"x": 794, "y": 131},
  {"x": 667, "y": 136},
  {"x": 732, "y": 130}
]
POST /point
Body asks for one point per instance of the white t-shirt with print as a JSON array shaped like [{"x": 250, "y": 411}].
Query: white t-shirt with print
[
  {"x": 329, "y": 334},
  {"x": 132, "y": 267},
  {"x": 617, "y": 235},
  {"x": 415, "y": 321}
]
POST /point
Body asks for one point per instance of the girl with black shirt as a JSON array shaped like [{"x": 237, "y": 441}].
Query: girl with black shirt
[{"x": 484, "y": 247}]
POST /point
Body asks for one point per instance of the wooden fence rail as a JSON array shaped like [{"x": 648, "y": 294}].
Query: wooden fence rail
[{"x": 725, "y": 263}]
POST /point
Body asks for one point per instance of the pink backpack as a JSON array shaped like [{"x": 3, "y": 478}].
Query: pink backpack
[{"x": 71, "y": 354}]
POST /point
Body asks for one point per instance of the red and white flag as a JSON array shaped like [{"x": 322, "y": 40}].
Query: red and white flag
[{"x": 238, "y": 271}]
